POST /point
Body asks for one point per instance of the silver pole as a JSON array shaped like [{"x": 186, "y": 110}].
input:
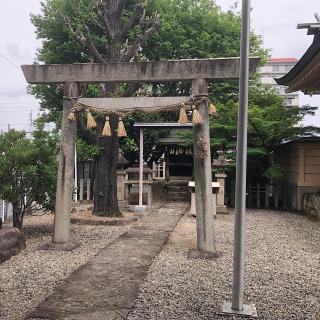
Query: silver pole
[
  {"x": 75, "y": 174},
  {"x": 241, "y": 169},
  {"x": 3, "y": 211},
  {"x": 141, "y": 169}
]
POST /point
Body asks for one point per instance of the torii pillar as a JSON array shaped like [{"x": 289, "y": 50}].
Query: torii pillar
[
  {"x": 202, "y": 174},
  {"x": 65, "y": 185}
]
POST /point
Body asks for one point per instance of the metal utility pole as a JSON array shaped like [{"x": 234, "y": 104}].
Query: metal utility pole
[
  {"x": 75, "y": 174},
  {"x": 237, "y": 306},
  {"x": 140, "y": 207}
]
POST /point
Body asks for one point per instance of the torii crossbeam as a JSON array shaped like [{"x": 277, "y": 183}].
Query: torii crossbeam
[{"x": 198, "y": 71}]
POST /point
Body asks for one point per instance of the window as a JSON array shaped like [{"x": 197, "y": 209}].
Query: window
[
  {"x": 275, "y": 68},
  {"x": 288, "y": 68}
]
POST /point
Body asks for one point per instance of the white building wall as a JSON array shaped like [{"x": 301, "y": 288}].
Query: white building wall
[{"x": 277, "y": 68}]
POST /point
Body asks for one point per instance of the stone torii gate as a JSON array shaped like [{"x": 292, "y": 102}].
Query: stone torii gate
[{"x": 71, "y": 75}]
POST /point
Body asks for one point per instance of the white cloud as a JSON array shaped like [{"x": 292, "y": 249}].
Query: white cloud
[{"x": 276, "y": 20}]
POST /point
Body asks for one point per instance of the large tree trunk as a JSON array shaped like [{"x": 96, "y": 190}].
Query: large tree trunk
[
  {"x": 105, "y": 186},
  {"x": 18, "y": 215}
]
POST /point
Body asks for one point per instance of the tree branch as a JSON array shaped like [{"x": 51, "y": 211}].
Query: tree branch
[
  {"x": 136, "y": 17},
  {"x": 85, "y": 40},
  {"x": 121, "y": 5},
  {"x": 90, "y": 45},
  {"x": 102, "y": 13},
  {"x": 133, "y": 50}
]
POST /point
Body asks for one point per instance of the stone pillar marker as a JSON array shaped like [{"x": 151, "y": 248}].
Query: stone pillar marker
[
  {"x": 221, "y": 178},
  {"x": 220, "y": 165},
  {"x": 202, "y": 173},
  {"x": 65, "y": 183}
]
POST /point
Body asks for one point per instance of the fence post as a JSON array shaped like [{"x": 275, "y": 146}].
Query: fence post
[
  {"x": 81, "y": 189},
  {"x": 266, "y": 197},
  {"x": 276, "y": 197},
  {"x": 258, "y": 196},
  {"x": 88, "y": 189},
  {"x": 232, "y": 197},
  {"x": 249, "y": 195}
]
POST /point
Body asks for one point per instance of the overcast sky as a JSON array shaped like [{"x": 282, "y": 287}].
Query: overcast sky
[{"x": 275, "y": 20}]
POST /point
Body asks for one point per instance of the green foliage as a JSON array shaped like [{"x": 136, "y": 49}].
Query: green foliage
[
  {"x": 195, "y": 29},
  {"x": 130, "y": 145},
  {"x": 275, "y": 171},
  {"x": 85, "y": 151},
  {"x": 28, "y": 171},
  {"x": 270, "y": 123}
]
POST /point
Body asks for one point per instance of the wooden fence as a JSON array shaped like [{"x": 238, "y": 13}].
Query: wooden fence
[{"x": 265, "y": 196}]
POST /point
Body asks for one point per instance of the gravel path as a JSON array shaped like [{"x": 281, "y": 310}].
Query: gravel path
[
  {"x": 28, "y": 278},
  {"x": 282, "y": 271}
]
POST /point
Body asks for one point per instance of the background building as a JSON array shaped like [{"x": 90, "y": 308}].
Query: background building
[{"x": 277, "y": 68}]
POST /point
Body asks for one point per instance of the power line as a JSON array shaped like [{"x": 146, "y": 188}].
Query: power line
[
  {"x": 14, "y": 102},
  {"x": 9, "y": 61}
]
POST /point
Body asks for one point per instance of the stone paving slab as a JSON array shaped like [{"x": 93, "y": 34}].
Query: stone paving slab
[{"x": 107, "y": 286}]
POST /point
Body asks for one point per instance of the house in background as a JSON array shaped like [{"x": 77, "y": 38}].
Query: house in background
[
  {"x": 301, "y": 160},
  {"x": 276, "y": 68},
  {"x": 303, "y": 156}
]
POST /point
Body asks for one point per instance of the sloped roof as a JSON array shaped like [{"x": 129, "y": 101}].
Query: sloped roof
[{"x": 305, "y": 75}]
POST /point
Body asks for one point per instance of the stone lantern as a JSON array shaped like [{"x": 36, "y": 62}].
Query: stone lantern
[{"x": 220, "y": 165}]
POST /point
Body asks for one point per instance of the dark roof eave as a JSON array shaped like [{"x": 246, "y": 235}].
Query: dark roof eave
[
  {"x": 301, "y": 64},
  {"x": 311, "y": 139},
  {"x": 162, "y": 125}
]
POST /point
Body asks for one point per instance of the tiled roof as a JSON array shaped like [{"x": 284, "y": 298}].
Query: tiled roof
[{"x": 283, "y": 60}]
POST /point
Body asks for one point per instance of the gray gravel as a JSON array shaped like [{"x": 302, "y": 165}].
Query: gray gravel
[
  {"x": 282, "y": 271},
  {"x": 28, "y": 278}
]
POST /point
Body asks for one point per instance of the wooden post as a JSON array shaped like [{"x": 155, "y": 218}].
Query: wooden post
[
  {"x": 232, "y": 195},
  {"x": 266, "y": 197},
  {"x": 206, "y": 241},
  {"x": 88, "y": 189},
  {"x": 258, "y": 196},
  {"x": 249, "y": 195},
  {"x": 81, "y": 189},
  {"x": 276, "y": 196},
  {"x": 65, "y": 180}
]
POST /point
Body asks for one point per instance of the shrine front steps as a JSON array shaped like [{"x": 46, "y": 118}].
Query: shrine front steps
[{"x": 179, "y": 191}]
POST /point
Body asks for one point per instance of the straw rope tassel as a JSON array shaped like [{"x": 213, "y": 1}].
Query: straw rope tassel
[
  {"x": 196, "y": 118},
  {"x": 212, "y": 110},
  {"x": 106, "y": 132},
  {"x": 71, "y": 116},
  {"x": 121, "y": 129},
  {"x": 183, "y": 115},
  {"x": 90, "y": 120}
]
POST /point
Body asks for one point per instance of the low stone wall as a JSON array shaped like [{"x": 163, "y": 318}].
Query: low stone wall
[
  {"x": 11, "y": 243},
  {"x": 311, "y": 204}
]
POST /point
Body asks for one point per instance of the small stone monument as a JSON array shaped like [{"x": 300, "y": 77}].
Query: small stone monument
[
  {"x": 215, "y": 190},
  {"x": 220, "y": 165},
  {"x": 121, "y": 175},
  {"x": 132, "y": 185}
]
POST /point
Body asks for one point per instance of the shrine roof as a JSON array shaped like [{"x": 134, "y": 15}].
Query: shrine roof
[
  {"x": 304, "y": 75},
  {"x": 163, "y": 125}
]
